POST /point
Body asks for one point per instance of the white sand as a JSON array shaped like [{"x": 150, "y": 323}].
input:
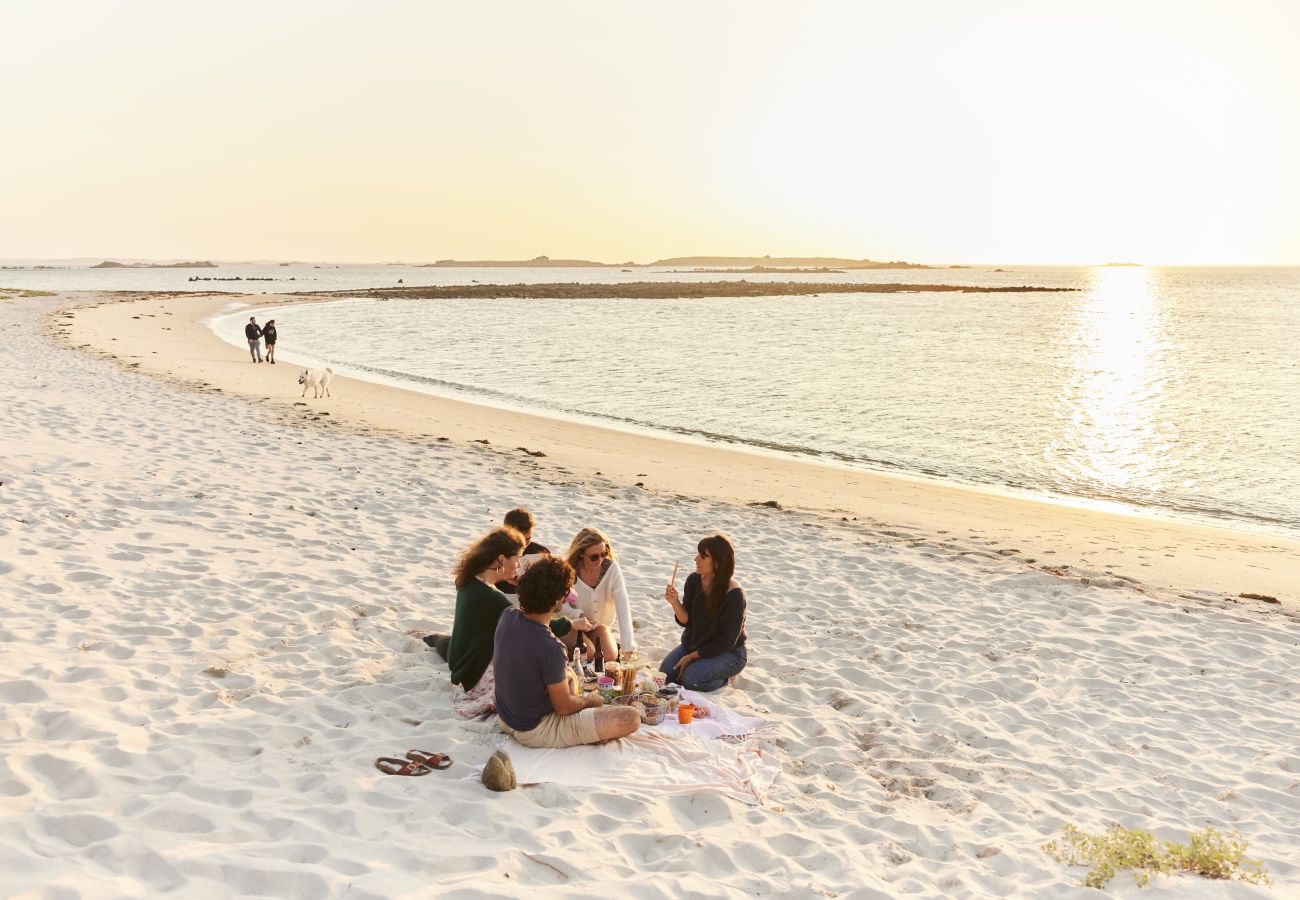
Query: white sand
[{"x": 202, "y": 649}]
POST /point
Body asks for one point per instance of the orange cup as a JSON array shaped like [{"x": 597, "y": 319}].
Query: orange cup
[{"x": 685, "y": 713}]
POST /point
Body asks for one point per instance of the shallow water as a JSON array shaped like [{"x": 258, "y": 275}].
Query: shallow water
[
  {"x": 1173, "y": 391},
  {"x": 1170, "y": 390}
]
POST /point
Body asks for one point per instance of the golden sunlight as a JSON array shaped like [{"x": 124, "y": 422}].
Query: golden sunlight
[{"x": 1112, "y": 399}]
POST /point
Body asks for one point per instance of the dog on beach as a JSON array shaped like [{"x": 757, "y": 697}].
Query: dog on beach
[{"x": 316, "y": 379}]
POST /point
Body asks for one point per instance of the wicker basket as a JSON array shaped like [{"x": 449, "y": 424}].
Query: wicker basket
[{"x": 654, "y": 711}]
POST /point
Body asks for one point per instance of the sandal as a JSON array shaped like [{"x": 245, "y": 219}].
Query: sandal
[
  {"x": 390, "y": 766},
  {"x": 437, "y": 761}
]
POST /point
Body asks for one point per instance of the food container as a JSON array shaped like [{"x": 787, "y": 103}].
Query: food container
[
  {"x": 685, "y": 713},
  {"x": 652, "y": 709},
  {"x": 670, "y": 694}
]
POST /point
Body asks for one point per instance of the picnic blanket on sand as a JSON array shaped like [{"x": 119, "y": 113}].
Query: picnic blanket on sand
[{"x": 661, "y": 759}]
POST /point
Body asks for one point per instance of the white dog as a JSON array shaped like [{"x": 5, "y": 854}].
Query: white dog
[{"x": 316, "y": 379}]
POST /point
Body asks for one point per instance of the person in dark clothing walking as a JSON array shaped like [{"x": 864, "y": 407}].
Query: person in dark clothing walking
[
  {"x": 254, "y": 335},
  {"x": 268, "y": 335}
]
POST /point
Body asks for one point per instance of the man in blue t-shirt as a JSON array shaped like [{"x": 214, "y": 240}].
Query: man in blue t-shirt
[{"x": 535, "y": 699}]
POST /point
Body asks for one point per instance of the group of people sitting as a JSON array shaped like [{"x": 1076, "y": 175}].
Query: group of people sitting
[{"x": 521, "y": 611}]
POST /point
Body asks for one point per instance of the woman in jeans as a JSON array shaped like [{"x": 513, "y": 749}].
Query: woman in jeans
[{"x": 712, "y": 616}]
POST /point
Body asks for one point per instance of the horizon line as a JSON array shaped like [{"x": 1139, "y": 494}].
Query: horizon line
[{"x": 69, "y": 260}]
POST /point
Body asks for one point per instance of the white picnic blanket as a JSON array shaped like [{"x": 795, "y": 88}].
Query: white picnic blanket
[
  {"x": 718, "y": 722},
  {"x": 661, "y": 759},
  {"x": 653, "y": 762}
]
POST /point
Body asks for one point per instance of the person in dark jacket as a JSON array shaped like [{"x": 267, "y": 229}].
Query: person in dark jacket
[
  {"x": 712, "y": 616},
  {"x": 254, "y": 335},
  {"x": 268, "y": 335},
  {"x": 492, "y": 558},
  {"x": 520, "y": 520}
]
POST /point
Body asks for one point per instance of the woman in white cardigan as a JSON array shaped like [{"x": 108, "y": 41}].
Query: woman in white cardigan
[{"x": 600, "y": 590}]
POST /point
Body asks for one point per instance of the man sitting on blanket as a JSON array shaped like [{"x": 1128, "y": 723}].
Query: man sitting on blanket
[{"x": 535, "y": 702}]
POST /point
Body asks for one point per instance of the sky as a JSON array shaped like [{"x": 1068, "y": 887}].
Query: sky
[{"x": 945, "y": 132}]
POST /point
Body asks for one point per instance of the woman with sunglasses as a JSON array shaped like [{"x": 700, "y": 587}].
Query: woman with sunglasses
[
  {"x": 712, "y": 616},
  {"x": 600, "y": 590}
]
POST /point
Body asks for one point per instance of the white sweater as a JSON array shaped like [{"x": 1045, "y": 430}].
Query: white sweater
[{"x": 599, "y": 603}]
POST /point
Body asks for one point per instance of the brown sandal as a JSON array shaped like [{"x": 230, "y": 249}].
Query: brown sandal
[
  {"x": 437, "y": 761},
  {"x": 390, "y": 766}
]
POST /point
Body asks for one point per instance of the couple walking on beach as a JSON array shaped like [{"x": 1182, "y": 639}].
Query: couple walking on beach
[{"x": 256, "y": 335}]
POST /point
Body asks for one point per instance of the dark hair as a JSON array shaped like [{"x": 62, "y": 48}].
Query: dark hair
[
  {"x": 483, "y": 552},
  {"x": 521, "y": 520},
  {"x": 545, "y": 584},
  {"x": 717, "y": 547}
]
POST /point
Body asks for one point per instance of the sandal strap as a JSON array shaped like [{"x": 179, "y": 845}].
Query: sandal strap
[{"x": 390, "y": 766}]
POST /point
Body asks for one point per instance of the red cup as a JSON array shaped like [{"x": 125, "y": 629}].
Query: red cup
[{"x": 685, "y": 713}]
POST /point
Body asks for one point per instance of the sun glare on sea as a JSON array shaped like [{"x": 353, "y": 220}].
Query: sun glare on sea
[{"x": 1112, "y": 398}]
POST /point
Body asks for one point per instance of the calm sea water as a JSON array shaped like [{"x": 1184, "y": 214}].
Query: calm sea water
[{"x": 1175, "y": 391}]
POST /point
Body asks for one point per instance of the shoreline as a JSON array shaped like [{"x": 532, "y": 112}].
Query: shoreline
[
  {"x": 165, "y": 335},
  {"x": 215, "y": 602},
  {"x": 844, "y": 464}
]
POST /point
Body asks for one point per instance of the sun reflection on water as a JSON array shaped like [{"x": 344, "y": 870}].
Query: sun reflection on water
[{"x": 1111, "y": 403}]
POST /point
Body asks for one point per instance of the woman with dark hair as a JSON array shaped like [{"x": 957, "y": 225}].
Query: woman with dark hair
[
  {"x": 492, "y": 558},
  {"x": 712, "y": 616},
  {"x": 270, "y": 335}
]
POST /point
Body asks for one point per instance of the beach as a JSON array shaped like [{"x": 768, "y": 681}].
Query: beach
[
  {"x": 1167, "y": 558},
  {"x": 209, "y": 583}
]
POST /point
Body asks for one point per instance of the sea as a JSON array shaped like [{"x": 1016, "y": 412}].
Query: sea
[{"x": 1170, "y": 392}]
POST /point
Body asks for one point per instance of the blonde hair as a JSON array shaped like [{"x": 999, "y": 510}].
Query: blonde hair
[{"x": 587, "y": 537}]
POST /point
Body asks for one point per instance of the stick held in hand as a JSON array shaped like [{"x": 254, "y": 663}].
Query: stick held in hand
[{"x": 675, "y": 565}]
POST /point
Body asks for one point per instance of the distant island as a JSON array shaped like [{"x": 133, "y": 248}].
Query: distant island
[
  {"x": 788, "y": 262},
  {"x": 537, "y": 262},
  {"x": 1123, "y": 265},
  {"x": 757, "y": 270},
  {"x": 732, "y": 263},
  {"x": 201, "y": 264}
]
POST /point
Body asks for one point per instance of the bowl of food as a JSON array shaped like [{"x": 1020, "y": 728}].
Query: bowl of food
[{"x": 653, "y": 709}]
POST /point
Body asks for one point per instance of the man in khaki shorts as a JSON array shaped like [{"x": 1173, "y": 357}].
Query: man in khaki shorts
[{"x": 535, "y": 700}]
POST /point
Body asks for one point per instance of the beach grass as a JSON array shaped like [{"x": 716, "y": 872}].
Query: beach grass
[
  {"x": 1209, "y": 853},
  {"x": 11, "y": 293}
]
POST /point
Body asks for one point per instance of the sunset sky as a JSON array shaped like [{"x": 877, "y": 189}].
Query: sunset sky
[{"x": 1028, "y": 132}]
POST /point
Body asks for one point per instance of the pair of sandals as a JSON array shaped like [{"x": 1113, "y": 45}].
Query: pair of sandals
[{"x": 417, "y": 762}]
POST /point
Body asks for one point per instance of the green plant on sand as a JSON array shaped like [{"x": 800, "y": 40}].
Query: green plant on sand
[
  {"x": 1208, "y": 853},
  {"x": 10, "y": 293}
]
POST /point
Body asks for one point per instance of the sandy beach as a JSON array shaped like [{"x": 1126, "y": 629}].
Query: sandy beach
[
  {"x": 208, "y": 585},
  {"x": 161, "y": 335}
]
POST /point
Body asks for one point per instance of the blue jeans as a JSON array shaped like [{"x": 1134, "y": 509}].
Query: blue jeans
[{"x": 705, "y": 674}]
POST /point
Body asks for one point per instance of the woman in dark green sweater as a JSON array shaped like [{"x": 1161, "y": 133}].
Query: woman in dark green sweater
[{"x": 492, "y": 558}]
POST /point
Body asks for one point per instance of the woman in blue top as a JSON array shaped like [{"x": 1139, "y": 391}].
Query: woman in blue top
[{"x": 712, "y": 616}]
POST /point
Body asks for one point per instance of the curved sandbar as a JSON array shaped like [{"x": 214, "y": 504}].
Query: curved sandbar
[
  {"x": 164, "y": 335},
  {"x": 673, "y": 290}
]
